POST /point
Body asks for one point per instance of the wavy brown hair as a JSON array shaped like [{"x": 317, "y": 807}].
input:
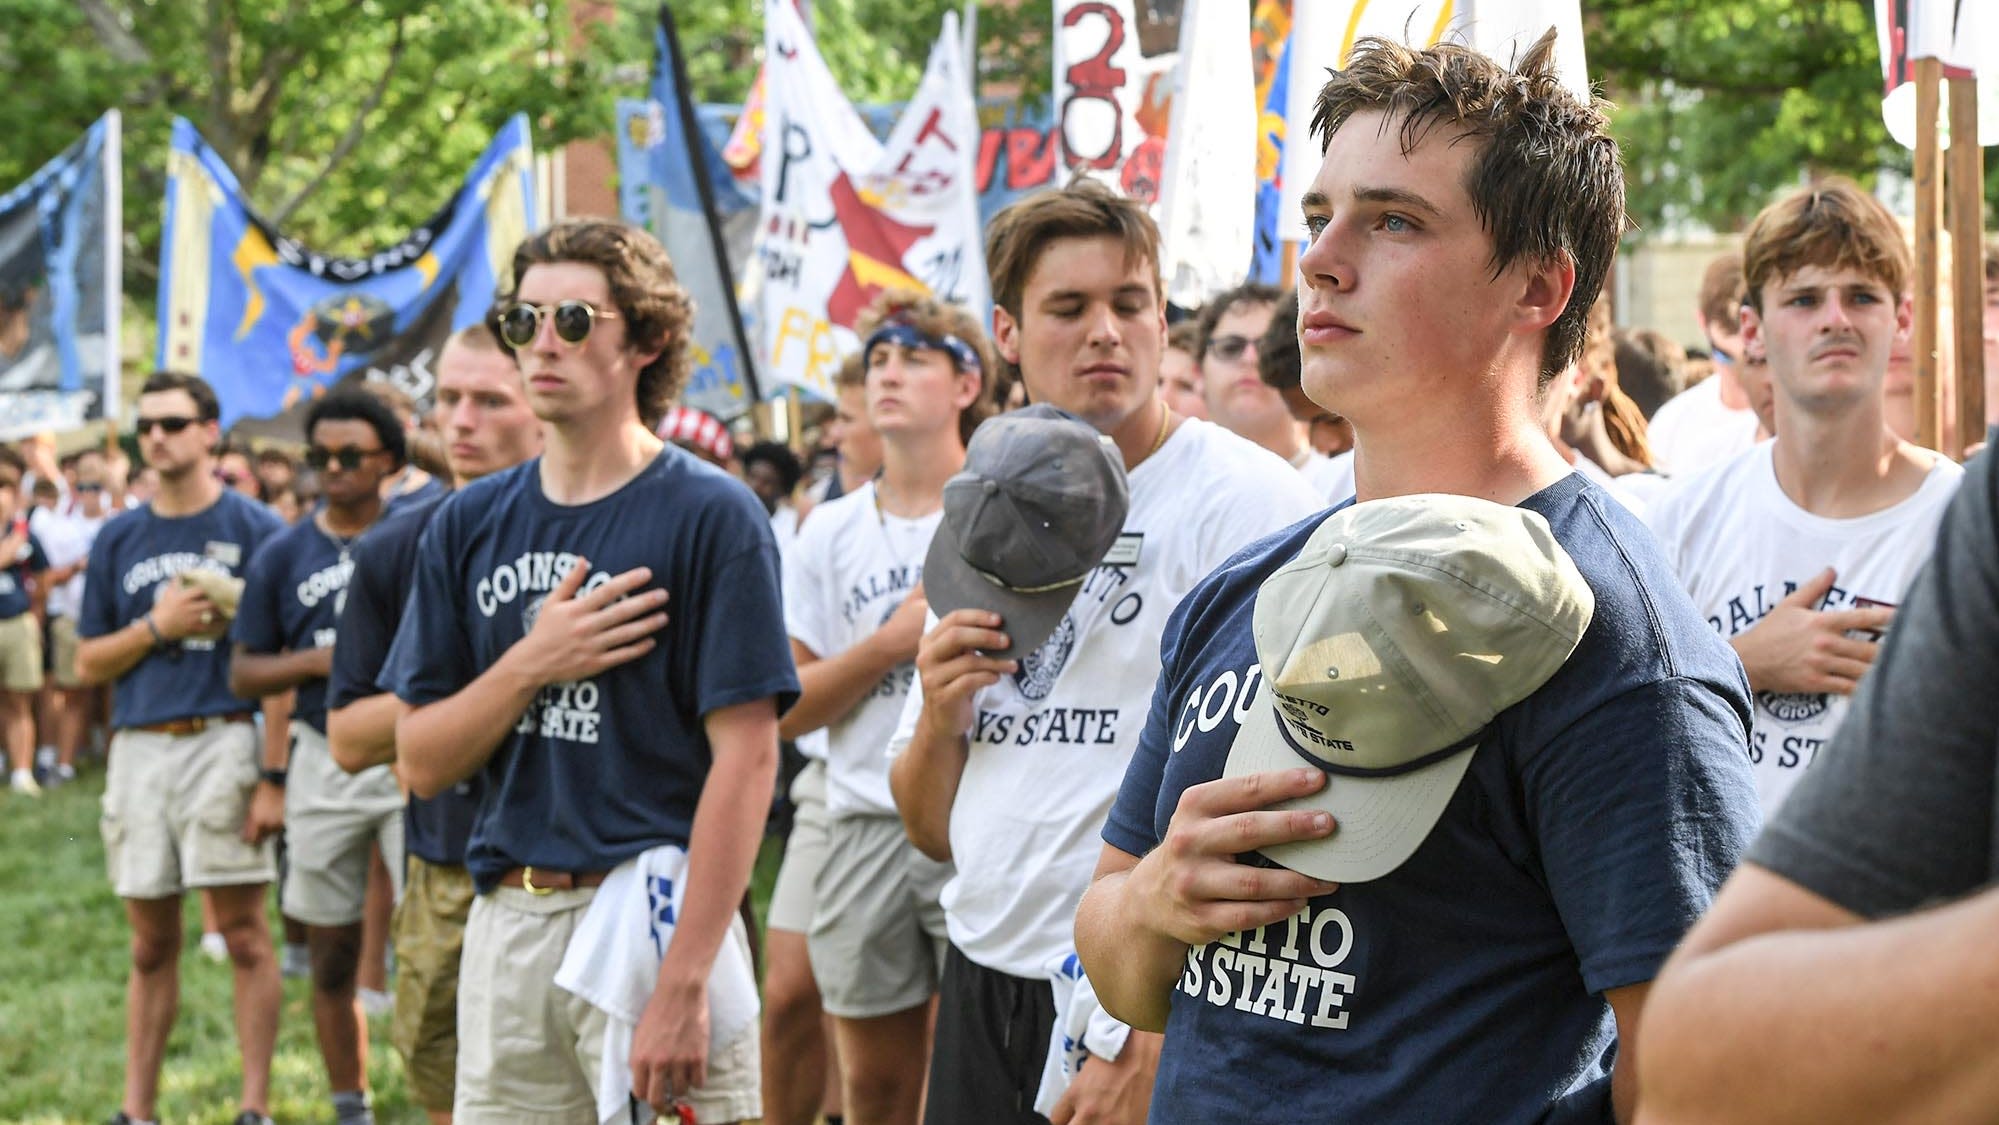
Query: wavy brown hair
[
  {"x": 657, "y": 312},
  {"x": 1833, "y": 225},
  {"x": 1545, "y": 178}
]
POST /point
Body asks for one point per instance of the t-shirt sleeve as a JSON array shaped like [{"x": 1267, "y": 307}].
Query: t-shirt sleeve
[
  {"x": 431, "y": 657},
  {"x": 99, "y": 611},
  {"x": 742, "y": 651},
  {"x": 1896, "y": 811},
  {"x": 1132, "y": 824},
  {"x": 1638, "y": 811},
  {"x": 361, "y": 644},
  {"x": 807, "y": 586},
  {"x": 1261, "y": 502},
  {"x": 256, "y": 626}
]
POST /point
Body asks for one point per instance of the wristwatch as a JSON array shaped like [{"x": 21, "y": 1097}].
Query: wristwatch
[{"x": 275, "y": 777}]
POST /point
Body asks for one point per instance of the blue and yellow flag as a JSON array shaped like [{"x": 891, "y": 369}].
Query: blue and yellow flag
[
  {"x": 272, "y": 324},
  {"x": 59, "y": 289}
]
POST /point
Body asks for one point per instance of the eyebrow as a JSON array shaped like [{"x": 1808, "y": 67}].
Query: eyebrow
[
  {"x": 1400, "y": 197},
  {"x": 1080, "y": 295}
]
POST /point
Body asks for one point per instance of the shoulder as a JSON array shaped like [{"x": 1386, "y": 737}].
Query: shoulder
[
  {"x": 1224, "y": 471},
  {"x": 711, "y": 499},
  {"x": 1216, "y": 597},
  {"x": 833, "y": 519},
  {"x": 120, "y": 527},
  {"x": 1674, "y": 410},
  {"x": 1699, "y": 493},
  {"x": 259, "y": 520}
]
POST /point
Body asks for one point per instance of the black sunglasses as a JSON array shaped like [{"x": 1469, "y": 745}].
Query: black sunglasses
[
  {"x": 346, "y": 459},
  {"x": 88, "y": 486},
  {"x": 520, "y": 323},
  {"x": 1229, "y": 348},
  {"x": 171, "y": 423}
]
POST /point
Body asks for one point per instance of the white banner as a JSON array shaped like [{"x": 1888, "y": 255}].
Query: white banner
[
  {"x": 1323, "y": 33},
  {"x": 1207, "y": 204},
  {"x": 1964, "y": 36},
  {"x": 1114, "y": 77},
  {"x": 845, "y": 216}
]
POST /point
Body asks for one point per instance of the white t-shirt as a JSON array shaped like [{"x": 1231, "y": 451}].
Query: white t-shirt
[
  {"x": 1693, "y": 431},
  {"x": 65, "y": 538},
  {"x": 1049, "y": 744},
  {"x": 848, "y": 572},
  {"x": 1740, "y": 545},
  {"x": 1330, "y": 477}
]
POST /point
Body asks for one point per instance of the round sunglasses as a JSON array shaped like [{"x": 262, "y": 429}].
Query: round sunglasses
[{"x": 520, "y": 323}]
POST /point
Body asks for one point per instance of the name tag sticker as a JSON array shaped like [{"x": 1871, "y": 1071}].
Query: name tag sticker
[
  {"x": 228, "y": 554},
  {"x": 1125, "y": 551}
]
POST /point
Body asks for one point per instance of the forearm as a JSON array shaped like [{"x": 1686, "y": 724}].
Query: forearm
[
  {"x": 1752, "y": 665},
  {"x": 441, "y": 744},
  {"x": 362, "y": 734},
  {"x": 1132, "y": 968},
  {"x": 831, "y": 687},
  {"x": 924, "y": 781},
  {"x": 277, "y": 711},
  {"x": 722, "y": 846},
  {"x": 1888, "y": 1022},
  {"x": 100, "y": 660},
  {"x": 253, "y": 675}
]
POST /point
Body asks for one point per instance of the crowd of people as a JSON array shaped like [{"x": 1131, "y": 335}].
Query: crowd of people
[{"x": 1404, "y": 695}]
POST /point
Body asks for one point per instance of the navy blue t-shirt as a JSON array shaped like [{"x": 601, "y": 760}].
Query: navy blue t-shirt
[
  {"x": 1588, "y": 835},
  {"x": 135, "y": 554},
  {"x": 14, "y": 575},
  {"x": 436, "y": 830},
  {"x": 426, "y": 493},
  {"x": 598, "y": 770},
  {"x": 292, "y": 596}
]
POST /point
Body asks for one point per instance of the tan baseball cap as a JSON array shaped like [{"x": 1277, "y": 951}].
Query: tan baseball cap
[{"x": 1387, "y": 647}]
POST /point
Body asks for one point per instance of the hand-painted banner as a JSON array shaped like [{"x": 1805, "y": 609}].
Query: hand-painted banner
[
  {"x": 1114, "y": 72},
  {"x": 674, "y": 183},
  {"x": 272, "y": 324},
  {"x": 1323, "y": 34},
  {"x": 844, "y": 216},
  {"x": 59, "y": 289},
  {"x": 1963, "y": 34}
]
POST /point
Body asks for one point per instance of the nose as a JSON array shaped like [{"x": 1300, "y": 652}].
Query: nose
[
  {"x": 1320, "y": 265},
  {"x": 1104, "y": 327},
  {"x": 545, "y": 339},
  {"x": 1837, "y": 316}
]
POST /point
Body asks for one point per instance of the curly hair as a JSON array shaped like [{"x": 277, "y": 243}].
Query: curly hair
[
  {"x": 656, "y": 310},
  {"x": 937, "y": 319}
]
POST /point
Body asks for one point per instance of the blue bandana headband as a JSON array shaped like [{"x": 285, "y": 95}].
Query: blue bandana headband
[{"x": 909, "y": 336}]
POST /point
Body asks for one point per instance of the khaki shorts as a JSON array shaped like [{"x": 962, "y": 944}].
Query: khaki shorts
[
  {"x": 174, "y": 807},
  {"x": 62, "y": 653},
  {"x": 331, "y": 818},
  {"x": 429, "y": 932},
  {"x": 528, "y": 1052},
  {"x": 791, "y": 895},
  {"x": 877, "y": 940},
  {"x": 21, "y": 654}
]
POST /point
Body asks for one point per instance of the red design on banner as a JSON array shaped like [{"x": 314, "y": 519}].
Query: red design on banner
[{"x": 876, "y": 245}]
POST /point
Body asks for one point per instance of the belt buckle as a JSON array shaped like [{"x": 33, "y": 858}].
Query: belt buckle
[{"x": 527, "y": 883}]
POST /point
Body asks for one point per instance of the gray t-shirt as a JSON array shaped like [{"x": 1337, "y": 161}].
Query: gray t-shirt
[{"x": 1899, "y": 810}]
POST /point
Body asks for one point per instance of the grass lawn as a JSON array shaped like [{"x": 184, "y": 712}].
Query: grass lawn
[{"x": 63, "y": 961}]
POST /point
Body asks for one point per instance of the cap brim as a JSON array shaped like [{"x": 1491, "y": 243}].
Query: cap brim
[
  {"x": 950, "y": 583},
  {"x": 1381, "y": 821}
]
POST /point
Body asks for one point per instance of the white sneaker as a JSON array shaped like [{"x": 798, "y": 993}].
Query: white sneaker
[
  {"x": 376, "y": 1003},
  {"x": 214, "y": 947},
  {"x": 24, "y": 783}
]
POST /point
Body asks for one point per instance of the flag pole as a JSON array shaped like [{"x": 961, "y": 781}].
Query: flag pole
[
  {"x": 1965, "y": 185},
  {"x": 1929, "y": 201}
]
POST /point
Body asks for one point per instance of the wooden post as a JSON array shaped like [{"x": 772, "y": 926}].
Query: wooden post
[
  {"x": 1966, "y": 182},
  {"x": 1929, "y": 201},
  {"x": 794, "y": 420}
]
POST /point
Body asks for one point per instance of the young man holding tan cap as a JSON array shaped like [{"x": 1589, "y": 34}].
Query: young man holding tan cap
[
  {"x": 1499, "y": 755},
  {"x": 1022, "y": 719}
]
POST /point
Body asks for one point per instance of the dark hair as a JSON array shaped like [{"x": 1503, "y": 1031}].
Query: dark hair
[
  {"x": 1651, "y": 368},
  {"x": 197, "y": 388},
  {"x": 1721, "y": 292},
  {"x": 1277, "y": 360},
  {"x": 1185, "y": 337},
  {"x": 272, "y": 455},
  {"x": 349, "y": 404},
  {"x": 1832, "y": 224},
  {"x": 1545, "y": 181},
  {"x": 13, "y": 467},
  {"x": 657, "y": 312},
  {"x": 1226, "y": 302},
  {"x": 778, "y": 456},
  {"x": 1018, "y": 236}
]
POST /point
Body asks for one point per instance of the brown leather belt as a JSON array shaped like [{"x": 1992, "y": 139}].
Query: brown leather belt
[
  {"x": 537, "y": 881},
  {"x": 194, "y": 725}
]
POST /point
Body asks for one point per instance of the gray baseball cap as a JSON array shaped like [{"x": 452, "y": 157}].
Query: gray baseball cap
[
  {"x": 1387, "y": 646},
  {"x": 1039, "y": 503}
]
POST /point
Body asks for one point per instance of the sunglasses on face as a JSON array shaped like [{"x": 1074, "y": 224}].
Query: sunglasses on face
[
  {"x": 171, "y": 424},
  {"x": 346, "y": 459},
  {"x": 89, "y": 486},
  {"x": 1229, "y": 348},
  {"x": 520, "y": 323}
]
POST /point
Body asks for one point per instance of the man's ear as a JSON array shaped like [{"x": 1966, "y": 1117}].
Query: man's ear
[
  {"x": 1006, "y": 335},
  {"x": 1545, "y": 292}
]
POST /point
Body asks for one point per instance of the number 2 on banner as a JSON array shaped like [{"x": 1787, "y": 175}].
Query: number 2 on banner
[{"x": 1095, "y": 79}]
